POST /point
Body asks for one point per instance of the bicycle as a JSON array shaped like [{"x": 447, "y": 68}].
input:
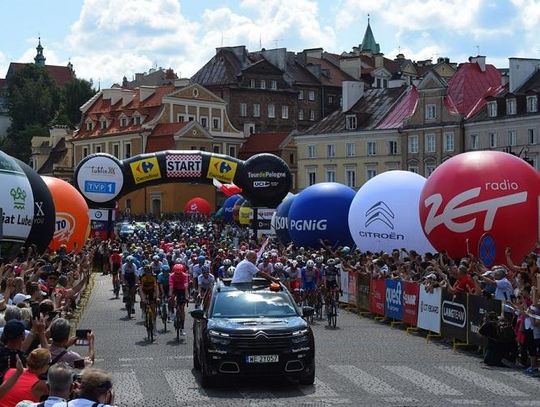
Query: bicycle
[
  {"x": 129, "y": 298},
  {"x": 149, "y": 321},
  {"x": 331, "y": 307},
  {"x": 116, "y": 285},
  {"x": 164, "y": 310}
]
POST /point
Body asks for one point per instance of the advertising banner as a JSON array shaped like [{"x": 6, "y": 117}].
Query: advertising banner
[
  {"x": 184, "y": 165},
  {"x": 429, "y": 310},
  {"x": 363, "y": 281},
  {"x": 478, "y": 307},
  {"x": 100, "y": 178},
  {"x": 394, "y": 299},
  {"x": 411, "y": 294},
  {"x": 353, "y": 289},
  {"x": 377, "y": 298},
  {"x": 454, "y": 315},
  {"x": 344, "y": 284}
]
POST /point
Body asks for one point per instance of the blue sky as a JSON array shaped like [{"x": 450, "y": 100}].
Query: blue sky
[{"x": 107, "y": 39}]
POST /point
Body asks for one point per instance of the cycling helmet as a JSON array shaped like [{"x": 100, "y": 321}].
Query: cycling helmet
[
  {"x": 130, "y": 259},
  {"x": 230, "y": 271},
  {"x": 201, "y": 259},
  {"x": 227, "y": 262},
  {"x": 299, "y": 258},
  {"x": 345, "y": 249},
  {"x": 337, "y": 260},
  {"x": 147, "y": 269},
  {"x": 145, "y": 263},
  {"x": 278, "y": 266},
  {"x": 310, "y": 263},
  {"x": 179, "y": 261},
  {"x": 319, "y": 260},
  {"x": 155, "y": 258},
  {"x": 330, "y": 262},
  {"x": 165, "y": 268},
  {"x": 294, "y": 263}
]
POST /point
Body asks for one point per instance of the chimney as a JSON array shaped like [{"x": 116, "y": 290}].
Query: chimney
[
  {"x": 504, "y": 79},
  {"x": 145, "y": 92},
  {"x": 379, "y": 60},
  {"x": 351, "y": 65},
  {"x": 314, "y": 52},
  {"x": 276, "y": 57},
  {"x": 181, "y": 82},
  {"x": 352, "y": 91},
  {"x": 115, "y": 94},
  {"x": 399, "y": 57},
  {"x": 520, "y": 70},
  {"x": 480, "y": 60}
]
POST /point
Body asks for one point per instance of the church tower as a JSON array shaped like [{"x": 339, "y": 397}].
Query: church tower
[{"x": 39, "y": 59}]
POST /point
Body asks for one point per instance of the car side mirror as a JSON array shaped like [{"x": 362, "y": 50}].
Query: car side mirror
[
  {"x": 308, "y": 311},
  {"x": 197, "y": 314}
]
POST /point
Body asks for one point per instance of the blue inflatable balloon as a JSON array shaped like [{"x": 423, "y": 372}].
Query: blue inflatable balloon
[
  {"x": 281, "y": 222},
  {"x": 228, "y": 207},
  {"x": 321, "y": 211}
]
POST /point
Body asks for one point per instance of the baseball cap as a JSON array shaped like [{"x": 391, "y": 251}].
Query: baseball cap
[
  {"x": 20, "y": 297},
  {"x": 13, "y": 329}
]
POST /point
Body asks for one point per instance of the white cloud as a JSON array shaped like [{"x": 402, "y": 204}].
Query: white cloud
[{"x": 429, "y": 52}]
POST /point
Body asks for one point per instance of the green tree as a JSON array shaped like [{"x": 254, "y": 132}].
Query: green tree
[
  {"x": 19, "y": 143},
  {"x": 75, "y": 93}
]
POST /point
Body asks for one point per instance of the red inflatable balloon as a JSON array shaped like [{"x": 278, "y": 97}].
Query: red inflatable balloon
[
  {"x": 198, "y": 205},
  {"x": 480, "y": 203},
  {"x": 72, "y": 221}
]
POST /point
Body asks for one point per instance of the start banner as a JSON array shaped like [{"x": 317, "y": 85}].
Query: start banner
[
  {"x": 411, "y": 293},
  {"x": 378, "y": 296},
  {"x": 429, "y": 310}
]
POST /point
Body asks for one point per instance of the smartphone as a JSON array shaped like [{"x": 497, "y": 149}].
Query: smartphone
[
  {"x": 82, "y": 335},
  {"x": 35, "y": 309},
  {"x": 79, "y": 364}
]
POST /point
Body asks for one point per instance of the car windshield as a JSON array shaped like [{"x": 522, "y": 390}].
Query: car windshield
[{"x": 248, "y": 304}]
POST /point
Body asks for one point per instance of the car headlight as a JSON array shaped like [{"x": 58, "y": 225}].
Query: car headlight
[
  {"x": 300, "y": 336},
  {"x": 219, "y": 338}
]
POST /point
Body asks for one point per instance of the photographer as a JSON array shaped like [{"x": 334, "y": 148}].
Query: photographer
[
  {"x": 95, "y": 389},
  {"x": 59, "y": 330}
]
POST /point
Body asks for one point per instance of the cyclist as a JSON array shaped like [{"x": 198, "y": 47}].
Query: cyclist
[
  {"x": 163, "y": 281},
  {"x": 330, "y": 277},
  {"x": 310, "y": 279},
  {"x": 293, "y": 277},
  {"x": 178, "y": 289},
  {"x": 149, "y": 290},
  {"x": 222, "y": 270},
  {"x": 279, "y": 271},
  {"x": 196, "y": 271},
  {"x": 129, "y": 270},
  {"x": 265, "y": 265},
  {"x": 115, "y": 261},
  {"x": 156, "y": 265},
  {"x": 205, "y": 282}
]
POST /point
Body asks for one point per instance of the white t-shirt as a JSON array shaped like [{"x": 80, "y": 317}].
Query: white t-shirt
[
  {"x": 503, "y": 286},
  {"x": 244, "y": 272}
]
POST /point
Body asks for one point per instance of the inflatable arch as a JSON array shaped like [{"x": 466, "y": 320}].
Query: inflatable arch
[{"x": 102, "y": 179}]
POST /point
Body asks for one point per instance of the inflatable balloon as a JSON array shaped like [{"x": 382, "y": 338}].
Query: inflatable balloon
[
  {"x": 17, "y": 204},
  {"x": 245, "y": 214},
  {"x": 44, "y": 214},
  {"x": 198, "y": 205},
  {"x": 228, "y": 208},
  {"x": 282, "y": 220},
  {"x": 236, "y": 210},
  {"x": 384, "y": 216},
  {"x": 72, "y": 221},
  {"x": 321, "y": 212},
  {"x": 482, "y": 202}
]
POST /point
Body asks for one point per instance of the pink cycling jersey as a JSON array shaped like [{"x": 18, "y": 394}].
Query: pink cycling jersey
[{"x": 178, "y": 280}]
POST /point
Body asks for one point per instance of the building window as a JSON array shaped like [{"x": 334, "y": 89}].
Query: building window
[
  {"x": 492, "y": 140},
  {"x": 430, "y": 143},
  {"x": 263, "y": 84},
  {"x": 330, "y": 100},
  {"x": 492, "y": 109},
  {"x": 511, "y": 106},
  {"x": 273, "y": 85},
  {"x": 351, "y": 122},
  {"x": 371, "y": 172},
  {"x": 252, "y": 83},
  {"x": 216, "y": 148},
  {"x": 181, "y": 118},
  {"x": 311, "y": 95},
  {"x": 512, "y": 137},
  {"x": 271, "y": 111},
  {"x": 137, "y": 120},
  {"x": 378, "y": 82},
  {"x": 123, "y": 122},
  {"x": 284, "y": 112},
  {"x": 311, "y": 151},
  {"x": 532, "y": 104},
  {"x": 413, "y": 144},
  {"x": 232, "y": 151},
  {"x": 249, "y": 128},
  {"x": 116, "y": 150},
  {"x": 300, "y": 114},
  {"x": 371, "y": 148},
  {"x": 193, "y": 148},
  {"x": 89, "y": 126},
  {"x": 191, "y": 118},
  {"x": 204, "y": 122},
  {"x": 449, "y": 141},
  {"x": 216, "y": 123},
  {"x": 413, "y": 168},
  {"x": 312, "y": 115},
  {"x": 350, "y": 149},
  {"x": 103, "y": 124},
  {"x": 531, "y": 136},
  {"x": 330, "y": 150},
  {"x": 474, "y": 141},
  {"x": 127, "y": 150},
  {"x": 312, "y": 177},
  {"x": 330, "y": 175},
  {"x": 291, "y": 158},
  {"x": 243, "y": 109},
  {"x": 392, "y": 148},
  {"x": 431, "y": 112},
  {"x": 430, "y": 167},
  {"x": 84, "y": 152},
  {"x": 256, "y": 110},
  {"x": 350, "y": 177},
  {"x": 301, "y": 95}
]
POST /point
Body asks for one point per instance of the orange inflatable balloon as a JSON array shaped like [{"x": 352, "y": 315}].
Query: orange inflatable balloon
[{"x": 72, "y": 221}]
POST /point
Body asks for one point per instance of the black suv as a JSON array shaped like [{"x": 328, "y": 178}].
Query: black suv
[{"x": 252, "y": 329}]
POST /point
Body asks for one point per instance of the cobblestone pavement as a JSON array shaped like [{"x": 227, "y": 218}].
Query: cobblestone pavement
[{"x": 363, "y": 363}]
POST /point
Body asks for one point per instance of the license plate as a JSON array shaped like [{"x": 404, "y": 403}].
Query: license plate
[{"x": 262, "y": 359}]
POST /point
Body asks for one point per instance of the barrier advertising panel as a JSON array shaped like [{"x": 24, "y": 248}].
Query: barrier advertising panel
[
  {"x": 394, "y": 299},
  {"x": 377, "y": 298},
  {"x": 353, "y": 290},
  {"x": 363, "y": 282},
  {"x": 411, "y": 293},
  {"x": 478, "y": 307},
  {"x": 344, "y": 284},
  {"x": 454, "y": 315},
  {"x": 429, "y": 310}
]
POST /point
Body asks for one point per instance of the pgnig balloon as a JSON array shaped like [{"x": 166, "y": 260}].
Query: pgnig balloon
[
  {"x": 482, "y": 202},
  {"x": 281, "y": 221},
  {"x": 320, "y": 212},
  {"x": 72, "y": 221},
  {"x": 384, "y": 216},
  {"x": 228, "y": 207}
]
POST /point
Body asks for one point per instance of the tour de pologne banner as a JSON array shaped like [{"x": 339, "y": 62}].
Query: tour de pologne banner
[
  {"x": 478, "y": 307},
  {"x": 363, "y": 283},
  {"x": 378, "y": 296},
  {"x": 411, "y": 294},
  {"x": 394, "y": 299},
  {"x": 353, "y": 291},
  {"x": 454, "y": 315},
  {"x": 429, "y": 310},
  {"x": 344, "y": 284}
]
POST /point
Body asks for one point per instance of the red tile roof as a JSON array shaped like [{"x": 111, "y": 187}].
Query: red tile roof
[
  {"x": 403, "y": 109},
  {"x": 263, "y": 143},
  {"x": 162, "y": 137},
  {"x": 60, "y": 74}
]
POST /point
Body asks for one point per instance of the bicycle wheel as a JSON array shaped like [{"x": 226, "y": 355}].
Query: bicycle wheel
[
  {"x": 333, "y": 320},
  {"x": 149, "y": 323},
  {"x": 164, "y": 316}
]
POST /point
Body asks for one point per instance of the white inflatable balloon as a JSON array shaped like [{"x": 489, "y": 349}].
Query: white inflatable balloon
[{"x": 384, "y": 214}]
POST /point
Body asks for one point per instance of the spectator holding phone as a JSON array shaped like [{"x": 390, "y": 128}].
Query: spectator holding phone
[
  {"x": 95, "y": 388},
  {"x": 61, "y": 341}
]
